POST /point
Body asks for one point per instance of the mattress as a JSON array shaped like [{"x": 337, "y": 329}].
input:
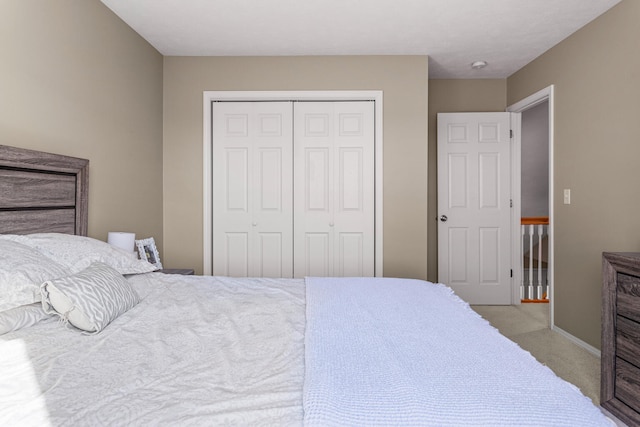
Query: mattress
[{"x": 220, "y": 351}]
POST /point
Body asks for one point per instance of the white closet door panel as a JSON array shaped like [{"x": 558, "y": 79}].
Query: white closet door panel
[
  {"x": 270, "y": 246},
  {"x": 236, "y": 254},
  {"x": 252, "y": 189},
  {"x": 350, "y": 179},
  {"x": 334, "y": 187},
  {"x": 350, "y": 255},
  {"x": 317, "y": 250},
  {"x": 270, "y": 175},
  {"x": 236, "y": 188},
  {"x": 317, "y": 180}
]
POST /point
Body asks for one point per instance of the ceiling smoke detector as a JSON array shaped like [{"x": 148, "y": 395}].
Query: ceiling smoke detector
[{"x": 478, "y": 65}]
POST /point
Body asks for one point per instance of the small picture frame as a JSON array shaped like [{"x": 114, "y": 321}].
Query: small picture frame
[{"x": 148, "y": 251}]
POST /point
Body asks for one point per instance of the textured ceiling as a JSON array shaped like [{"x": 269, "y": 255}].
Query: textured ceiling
[{"x": 507, "y": 34}]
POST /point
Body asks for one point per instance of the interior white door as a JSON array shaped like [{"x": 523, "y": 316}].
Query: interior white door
[
  {"x": 252, "y": 189},
  {"x": 334, "y": 188},
  {"x": 474, "y": 199}
]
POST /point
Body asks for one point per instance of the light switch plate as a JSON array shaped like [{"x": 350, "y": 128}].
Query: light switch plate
[{"x": 567, "y": 196}]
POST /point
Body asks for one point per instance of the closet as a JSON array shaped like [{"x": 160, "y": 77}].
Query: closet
[{"x": 293, "y": 186}]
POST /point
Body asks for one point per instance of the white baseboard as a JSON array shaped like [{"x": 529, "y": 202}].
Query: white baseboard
[{"x": 591, "y": 349}]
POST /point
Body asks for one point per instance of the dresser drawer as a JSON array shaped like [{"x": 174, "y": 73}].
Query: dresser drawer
[
  {"x": 628, "y": 296},
  {"x": 628, "y": 340},
  {"x": 628, "y": 384}
]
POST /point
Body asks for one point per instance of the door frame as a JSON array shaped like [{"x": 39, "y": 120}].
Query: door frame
[
  {"x": 357, "y": 95},
  {"x": 546, "y": 94}
]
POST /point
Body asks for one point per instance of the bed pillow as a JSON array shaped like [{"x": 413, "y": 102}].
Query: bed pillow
[
  {"x": 22, "y": 271},
  {"x": 79, "y": 252},
  {"x": 90, "y": 299},
  {"x": 21, "y": 317}
]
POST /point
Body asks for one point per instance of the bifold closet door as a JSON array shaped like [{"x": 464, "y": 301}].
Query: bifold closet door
[
  {"x": 252, "y": 189},
  {"x": 334, "y": 188}
]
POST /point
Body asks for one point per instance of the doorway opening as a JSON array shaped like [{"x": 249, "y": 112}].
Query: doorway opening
[
  {"x": 534, "y": 203},
  {"x": 536, "y": 196}
]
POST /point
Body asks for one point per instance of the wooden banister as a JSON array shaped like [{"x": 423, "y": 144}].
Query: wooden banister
[{"x": 535, "y": 220}]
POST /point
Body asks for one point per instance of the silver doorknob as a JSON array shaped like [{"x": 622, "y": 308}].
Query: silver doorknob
[
  {"x": 443, "y": 218},
  {"x": 254, "y": 224},
  {"x": 330, "y": 224}
]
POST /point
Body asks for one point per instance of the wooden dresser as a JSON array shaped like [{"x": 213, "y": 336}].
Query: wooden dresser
[{"x": 620, "y": 363}]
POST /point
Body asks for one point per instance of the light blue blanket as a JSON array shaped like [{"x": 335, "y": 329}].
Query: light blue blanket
[{"x": 407, "y": 352}]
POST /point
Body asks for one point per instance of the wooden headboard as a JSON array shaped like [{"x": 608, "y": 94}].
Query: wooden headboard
[{"x": 42, "y": 192}]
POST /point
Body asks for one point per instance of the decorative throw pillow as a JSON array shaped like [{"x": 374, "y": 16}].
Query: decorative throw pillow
[
  {"x": 22, "y": 271},
  {"x": 90, "y": 299},
  {"x": 79, "y": 252}
]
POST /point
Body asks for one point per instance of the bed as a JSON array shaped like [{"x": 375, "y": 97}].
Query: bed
[{"x": 133, "y": 346}]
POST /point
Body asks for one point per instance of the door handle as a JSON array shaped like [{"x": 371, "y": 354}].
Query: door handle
[{"x": 443, "y": 218}]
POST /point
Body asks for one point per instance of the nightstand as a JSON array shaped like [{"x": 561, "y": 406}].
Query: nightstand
[{"x": 183, "y": 271}]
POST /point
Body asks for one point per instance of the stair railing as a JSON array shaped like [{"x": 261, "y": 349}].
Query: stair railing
[{"x": 534, "y": 286}]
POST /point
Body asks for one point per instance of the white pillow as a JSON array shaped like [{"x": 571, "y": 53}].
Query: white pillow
[
  {"x": 22, "y": 271},
  {"x": 90, "y": 299},
  {"x": 79, "y": 252},
  {"x": 21, "y": 317}
]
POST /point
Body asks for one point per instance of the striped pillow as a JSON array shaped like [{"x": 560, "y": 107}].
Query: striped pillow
[{"x": 90, "y": 299}]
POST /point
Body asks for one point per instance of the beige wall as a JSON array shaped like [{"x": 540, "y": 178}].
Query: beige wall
[
  {"x": 454, "y": 96},
  {"x": 596, "y": 73},
  {"x": 76, "y": 80},
  {"x": 404, "y": 81}
]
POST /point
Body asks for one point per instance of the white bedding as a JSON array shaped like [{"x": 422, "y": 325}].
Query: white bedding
[
  {"x": 408, "y": 352},
  {"x": 196, "y": 351},
  {"x": 220, "y": 351}
]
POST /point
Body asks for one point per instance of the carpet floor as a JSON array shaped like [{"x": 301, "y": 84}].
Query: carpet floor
[{"x": 528, "y": 326}]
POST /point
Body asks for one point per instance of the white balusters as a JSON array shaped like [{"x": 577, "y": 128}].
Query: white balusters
[
  {"x": 530, "y": 290},
  {"x": 522, "y": 231},
  {"x": 534, "y": 263},
  {"x": 541, "y": 234}
]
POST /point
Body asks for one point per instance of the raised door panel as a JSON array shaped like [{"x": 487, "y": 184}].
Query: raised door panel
[
  {"x": 489, "y": 262},
  {"x": 317, "y": 259},
  {"x": 317, "y": 181},
  {"x": 350, "y": 261},
  {"x": 270, "y": 256},
  {"x": 270, "y": 180},
  {"x": 236, "y": 254},
  {"x": 236, "y": 180},
  {"x": 458, "y": 189},
  {"x": 458, "y": 265}
]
